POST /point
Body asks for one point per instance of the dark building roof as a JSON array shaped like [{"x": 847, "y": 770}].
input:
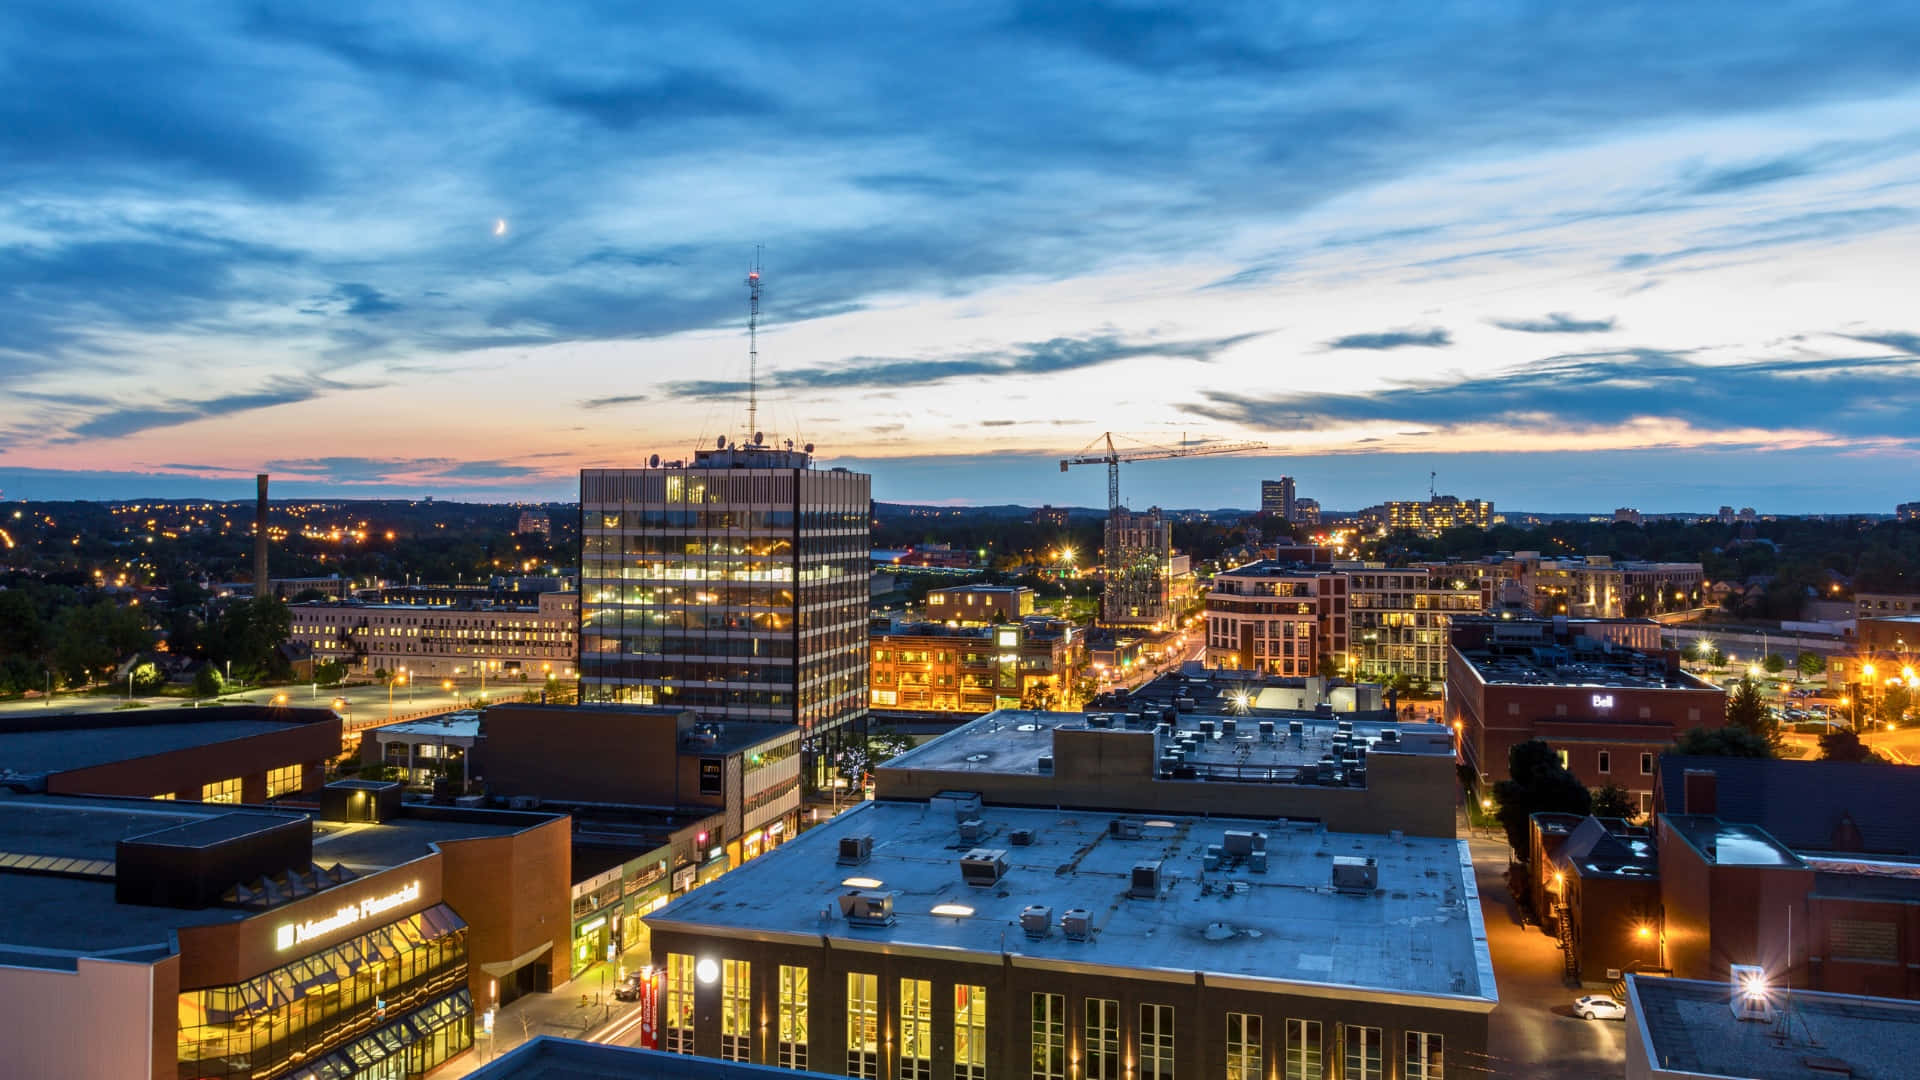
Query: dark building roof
[{"x": 1810, "y": 806}]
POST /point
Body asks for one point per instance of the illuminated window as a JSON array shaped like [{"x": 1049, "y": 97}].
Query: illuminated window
[
  {"x": 916, "y": 1029},
  {"x": 1303, "y": 1050},
  {"x": 283, "y": 781},
  {"x": 678, "y": 1021},
  {"x": 1362, "y": 1048},
  {"x": 1156, "y": 1042},
  {"x": 863, "y": 1026},
  {"x": 969, "y": 1033},
  {"x": 1049, "y": 1037},
  {"x": 793, "y": 1017},
  {"x": 1424, "y": 1056},
  {"x": 221, "y": 791},
  {"x": 1243, "y": 1046},
  {"x": 1103, "y": 1039}
]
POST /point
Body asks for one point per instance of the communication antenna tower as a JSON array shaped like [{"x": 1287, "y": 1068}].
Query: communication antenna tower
[{"x": 753, "y": 344}]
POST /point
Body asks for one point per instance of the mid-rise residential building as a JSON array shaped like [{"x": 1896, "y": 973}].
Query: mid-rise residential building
[
  {"x": 973, "y": 669},
  {"x": 1139, "y": 547},
  {"x": 436, "y": 641},
  {"x": 1609, "y": 710},
  {"x": 979, "y": 605},
  {"x": 1277, "y": 497},
  {"x": 909, "y": 940},
  {"x": 1279, "y": 618},
  {"x": 1400, "y": 618},
  {"x": 734, "y": 585}
]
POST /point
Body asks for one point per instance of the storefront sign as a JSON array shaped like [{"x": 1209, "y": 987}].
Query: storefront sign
[{"x": 291, "y": 934}]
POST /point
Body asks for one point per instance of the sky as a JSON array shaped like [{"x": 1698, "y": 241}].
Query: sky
[{"x": 1565, "y": 257}]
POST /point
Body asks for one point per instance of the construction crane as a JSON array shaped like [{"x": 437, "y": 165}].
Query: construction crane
[{"x": 1113, "y": 457}]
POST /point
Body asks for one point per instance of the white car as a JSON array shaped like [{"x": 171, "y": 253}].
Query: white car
[{"x": 1599, "y": 1007}]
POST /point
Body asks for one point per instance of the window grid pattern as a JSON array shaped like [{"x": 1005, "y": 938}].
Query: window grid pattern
[
  {"x": 969, "y": 1033},
  {"x": 677, "y": 1024},
  {"x": 916, "y": 1029},
  {"x": 1102, "y": 1035},
  {"x": 1049, "y": 1041},
  {"x": 1303, "y": 1050},
  {"x": 1426, "y": 1056},
  {"x": 793, "y": 1017},
  {"x": 1243, "y": 1046},
  {"x": 1156, "y": 1042},
  {"x": 1362, "y": 1055},
  {"x": 736, "y": 1010},
  {"x": 863, "y": 1026}
]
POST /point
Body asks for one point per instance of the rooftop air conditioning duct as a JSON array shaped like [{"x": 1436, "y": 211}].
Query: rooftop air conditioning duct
[
  {"x": 983, "y": 868},
  {"x": 1036, "y": 920},
  {"x": 1354, "y": 874},
  {"x": 1077, "y": 924},
  {"x": 855, "y": 849},
  {"x": 1144, "y": 882}
]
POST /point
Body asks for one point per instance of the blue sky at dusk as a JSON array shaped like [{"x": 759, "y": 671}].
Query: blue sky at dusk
[{"x": 1569, "y": 257}]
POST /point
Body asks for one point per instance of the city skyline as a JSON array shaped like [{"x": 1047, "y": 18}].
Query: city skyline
[{"x": 1642, "y": 257}]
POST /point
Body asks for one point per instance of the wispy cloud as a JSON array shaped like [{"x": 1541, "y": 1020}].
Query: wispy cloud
[
  {"x": 1556, "y": 323},
  {"x": 1394, "y": 339}
]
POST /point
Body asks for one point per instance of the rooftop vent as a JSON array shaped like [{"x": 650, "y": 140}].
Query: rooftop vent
[
  {"x": 1144, "y": 883},
  {"x": 1354, "y": 874},
  {"x": 855, "y": 849},
  {"x": 1020, "y": 837},
  {"x": 865, "y": 908},
  {"x": 1077, "y": 924},
  {"x": 972, "y": 831},
  {"x": 983, "y": 868},
  {"x": 1036, "y": 920},
  {"x": 1124, "y": 828}
]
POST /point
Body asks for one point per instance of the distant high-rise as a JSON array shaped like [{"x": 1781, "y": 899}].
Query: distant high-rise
[
  {"x": 1277, "y": 498},
  {"x": 735, "y": 586}
]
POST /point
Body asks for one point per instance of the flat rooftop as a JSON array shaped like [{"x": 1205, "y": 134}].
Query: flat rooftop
[
  {"x": 84, "y": 745},
  {"x": 1012, "y": 741},
  {"x": 1419, "y": 933},
  {"x": 1688, "y": 1026}
]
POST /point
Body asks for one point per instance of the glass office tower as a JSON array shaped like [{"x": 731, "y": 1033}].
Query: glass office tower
[{"x": 735, "y": 586}]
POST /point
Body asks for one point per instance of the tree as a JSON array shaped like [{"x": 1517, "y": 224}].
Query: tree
[
  {"x": 1774, "y": 663},
  {"x": 1723, "y": 742},
  {"x": 1748, "y": 711},
  {"x": 1811, "y": 664},
  {"x": 1843, "y": 745},
  {"x": 207, "y": 682},
  {"x": 1614, "y": 801},
  {"x": 1539, "y": 784}
]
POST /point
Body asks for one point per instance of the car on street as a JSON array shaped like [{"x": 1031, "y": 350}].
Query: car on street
[{"x": 1599, "y": 1007}]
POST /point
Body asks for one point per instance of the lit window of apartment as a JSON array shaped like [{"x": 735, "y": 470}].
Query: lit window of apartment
[
  {"x": 1156, "y": 1042},
  {"x": 221, "y": 791},
  {"x": 283, "y": 781},
  {"x": 1303, "y": 1050},
  {"x": 1049, "y": 1040},
  {"x": 1425, "y": 1054},
  {"x": 678, "y": 1021},
  {"x": 969, "y": 1032},
  {"x": 916, "y": 1030},
  {"x": 863, "y": 1026},
  {"x": 1243, "y": 1047}
]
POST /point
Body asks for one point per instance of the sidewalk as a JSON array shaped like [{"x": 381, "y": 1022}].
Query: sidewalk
[{"x": 575, "y": 1009}]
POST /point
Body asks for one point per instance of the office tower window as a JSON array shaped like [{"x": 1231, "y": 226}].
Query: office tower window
[
  {"x": 1103, "y": 1039},
  {"x": 969, "y": 1032},
  {"x": 863, "y": 1026},
  {"x": 916, "y": 1029},
  {"x": 1424, "y": 1056},
  {"x": 1243, "y": 1046},
  {"x": 1049, "y": 1040},
  {"x": 221, "y": 791},
  {"x": 1362, "y": 1053},
  {"x": 1303, "y": 1050},
  {"x": 678, "y": 1021},
  {"x": 283, "y": 781},
  {"x": 736, "y": 1010},
  {"x": 1156, "y": 1042},
  {"x": 793, "y": 1017}
]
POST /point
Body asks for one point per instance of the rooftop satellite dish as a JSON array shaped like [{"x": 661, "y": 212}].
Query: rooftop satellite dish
[{"x": 654, "y": 461}]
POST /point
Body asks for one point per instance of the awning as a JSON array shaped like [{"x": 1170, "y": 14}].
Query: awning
[{"x": 500, "y": 969}]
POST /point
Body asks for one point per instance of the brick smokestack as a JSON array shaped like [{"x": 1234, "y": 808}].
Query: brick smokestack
[{"x": 262, "y": 586}]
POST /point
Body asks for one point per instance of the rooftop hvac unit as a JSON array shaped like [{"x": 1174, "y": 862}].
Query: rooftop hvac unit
[
  {"x": 1266, "y": 731},
  {"x": 964, "y": 804},
  {"x": 1077, "y": 924},
  {"x": 1036, "y": 920},
  {"x": 1353, "y": 874},
  {"x": 866, "y": 908},
  {"x": 1124, "y": 828},
  {"x": 972, "y": 831},
  {"x": 855, "y": 849},
  {"x": 1241, "y": 843},
  {"x": 1144, "y": 883},
  {"x": 1045, "y": 764},
  {"x": 1020, "y": 837},
  {"x": 983, "y": 868}
]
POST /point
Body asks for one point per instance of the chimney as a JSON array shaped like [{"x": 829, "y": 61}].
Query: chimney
[
  {"x": 1701, "y": 792},
  {"x": 262, "y": 587}
]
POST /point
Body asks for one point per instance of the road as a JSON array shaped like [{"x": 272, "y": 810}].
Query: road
[{"x": 1533, "y": 1034}]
